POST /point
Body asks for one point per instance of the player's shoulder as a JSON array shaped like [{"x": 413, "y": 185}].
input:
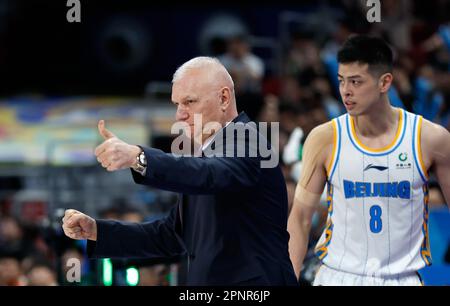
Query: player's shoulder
[
  {"x": 319, "y": 143},
  {"x": 433, "y": 134},
  {"x": 324, "y": 132},
  {"x": 435, "y": 142}
]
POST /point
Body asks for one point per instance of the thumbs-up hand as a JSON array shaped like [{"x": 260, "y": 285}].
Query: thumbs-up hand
[
  {"x": 104, "y": 132},
  {"x": 114, "y": 154}
]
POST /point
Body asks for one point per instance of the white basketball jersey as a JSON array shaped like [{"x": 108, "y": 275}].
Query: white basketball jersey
[{"x": 377, "y": 203}]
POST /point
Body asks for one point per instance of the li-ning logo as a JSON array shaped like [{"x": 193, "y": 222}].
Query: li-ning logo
[{"x": 379, "y": 168}]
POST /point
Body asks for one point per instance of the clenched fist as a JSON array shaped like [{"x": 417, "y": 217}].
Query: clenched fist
[
  {"x": 115, "y": 154},
  {"x": 77, "y": 225}
]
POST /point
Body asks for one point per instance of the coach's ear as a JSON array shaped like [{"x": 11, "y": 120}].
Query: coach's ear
[
  {"x": 225, "y": 98},
  {"x": 385, "y": 82}
]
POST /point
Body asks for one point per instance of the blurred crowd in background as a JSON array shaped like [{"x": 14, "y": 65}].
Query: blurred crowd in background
[{"x": 294, "y": 85}]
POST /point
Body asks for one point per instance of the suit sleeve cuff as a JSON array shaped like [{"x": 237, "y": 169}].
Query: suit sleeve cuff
[{"x": 94, "y": 247}]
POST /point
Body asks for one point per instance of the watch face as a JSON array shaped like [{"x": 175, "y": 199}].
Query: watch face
[{"x": 142, "y": 158}]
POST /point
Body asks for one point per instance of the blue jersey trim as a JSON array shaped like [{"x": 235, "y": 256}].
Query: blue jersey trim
[
  {"x": 414, "y": 150},
  {"x": 338, "y": 150}
]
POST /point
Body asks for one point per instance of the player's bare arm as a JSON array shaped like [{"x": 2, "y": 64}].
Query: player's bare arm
[
  {"x": 436, "y": 154},
  {"x": 317, "y": 156}
]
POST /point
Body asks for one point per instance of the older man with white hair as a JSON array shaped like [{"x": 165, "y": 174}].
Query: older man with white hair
[{"x": 231, "y": 219}]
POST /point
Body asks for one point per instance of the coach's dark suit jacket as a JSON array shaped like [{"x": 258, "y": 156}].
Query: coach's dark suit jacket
[{"x": 231, "y": 219}]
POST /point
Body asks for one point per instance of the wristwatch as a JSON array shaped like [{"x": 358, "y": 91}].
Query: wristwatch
[{"x": 141, "y": 163}]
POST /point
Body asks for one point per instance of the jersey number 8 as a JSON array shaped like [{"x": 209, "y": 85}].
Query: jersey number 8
[{"x": 375, "y": 219}]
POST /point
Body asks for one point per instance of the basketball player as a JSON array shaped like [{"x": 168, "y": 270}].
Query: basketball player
[{"x": 375, "y": 160}]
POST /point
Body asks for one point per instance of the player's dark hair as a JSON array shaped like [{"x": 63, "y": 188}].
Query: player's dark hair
[{"x": 369, "y": 50}]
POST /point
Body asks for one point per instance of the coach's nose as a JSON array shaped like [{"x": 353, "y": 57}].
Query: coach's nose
[{"x": 182, "y": 114}]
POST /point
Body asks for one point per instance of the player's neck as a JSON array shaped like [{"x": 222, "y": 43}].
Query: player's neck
[{"x": 378, "y": 120}]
